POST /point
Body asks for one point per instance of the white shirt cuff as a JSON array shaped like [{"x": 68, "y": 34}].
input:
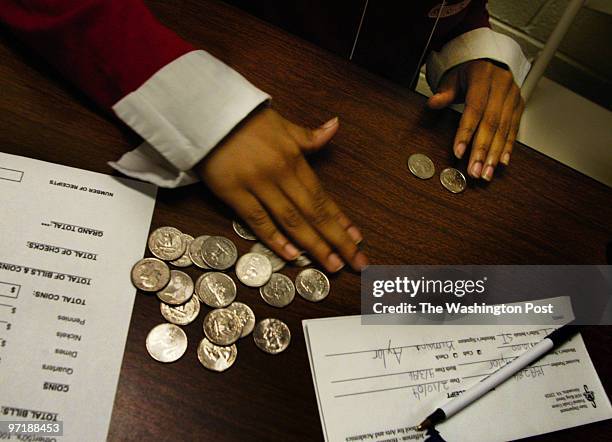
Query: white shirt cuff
[
  {"x": 477, "y": 44},
  {"x": 183, "y": 111}
]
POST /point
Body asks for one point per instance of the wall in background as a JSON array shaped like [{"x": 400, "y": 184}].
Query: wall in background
[{"x": 584, "y": 60}]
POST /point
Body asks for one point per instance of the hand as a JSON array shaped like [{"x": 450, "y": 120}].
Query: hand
[
  {"x": 493, "y": 109},
  {"x": 261, "y": 172}
]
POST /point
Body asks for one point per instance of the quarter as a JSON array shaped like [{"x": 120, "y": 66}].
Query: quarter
[
  {"x": 150, "y": 274},
  {"x": 178, "y": 290},
  {"x": 215, "y": 289},
  {"x": 219, "y": 253},
  {"x": 222, "y": 326},
  {"x": 167, "y": 243},
  {"x": 279, "y": 291},
  {"x": 166, "y": 342},
  {"x": 181, "y": 314},
  {"x": 253, "y": 269},
  {"x": 216, "y": 357},
  {"x": 421, "y": 166},
  {"x": 272, "y": 336},
  {"x": 453, "y": 180},
  {"x": 312, "y": 285}
]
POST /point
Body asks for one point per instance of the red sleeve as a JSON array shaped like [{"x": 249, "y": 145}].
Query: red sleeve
[
  {"x": 108, "y": 48},
  {"x": 474, "y": 16}
]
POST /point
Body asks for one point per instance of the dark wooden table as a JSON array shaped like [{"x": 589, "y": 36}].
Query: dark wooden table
[{"x": 536, "y": 212}]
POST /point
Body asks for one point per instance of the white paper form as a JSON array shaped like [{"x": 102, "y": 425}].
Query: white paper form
[
  {"x": 377, "y": 382},
  {"x": 68, "y": 239}
]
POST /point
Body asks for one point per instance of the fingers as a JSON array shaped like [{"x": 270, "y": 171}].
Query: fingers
[
  {"x": 311, "y": 140},
  {"x": 447, "y": 91},
  {"x": 512, "y": 132}
]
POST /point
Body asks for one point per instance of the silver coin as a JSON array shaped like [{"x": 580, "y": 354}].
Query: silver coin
[
  {"x": 167, "y": 243},
  {"x": 279, "y": 291},
  {"x": 219, "y": 253},
  {"x": 253, "y": 269},
  {"x": 421, "y": 166},
  {"x": 277, "y": 262},
  {"x": 312, "y": 285},
  {"x": 195, "y": 252},
  {"x": 215, "y": 289},
  {"x": 216, "y": 357},
  {"x": 181, "y": 314},
  {"x": 184, "y": 260},
  {"x": 166, "y": 342},
  {"x": 243, "y": 232},
  {"x": 150, "y": 275},
  {"x": 301, "y": 261},
  {"x": 453, "y": 180},
  {"x": 272, "y": 335},
  {"x": 246, "y": 316},
  {"x": 222, "y": 326},
  {"x": 178, "y": 290}
]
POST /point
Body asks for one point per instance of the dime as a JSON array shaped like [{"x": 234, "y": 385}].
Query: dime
[
  {"x": 301, "y": 261},
  {"x": 167, "y": 243},
  {"x": 166, "y": 342},
  {"x": 312, "y": 285},
  {"x": 222, "y": 326},
  {"x": 150, "y": 275},
  {"x": 453, "y": 180},
  {"x": 215, "y": 289},
  {"x": 178, "y": 290},
  {"x": 181, "y": 314},
  {"x": 185, "y": 260},
  {"x": 195, "y": 252},
  {"x": 243, "y": 232},
  {"x": 246, "y": 316},
  {"x": 216, "y": 357},
  {"x": 253, "y": 269},
  {"x": 272, "y": 336},
  {"x": 421, "y": 166},
  {"x": 277, "y": 262},
  {"x": 279, "y": 291},
  {"x": 219, "y": 253}
]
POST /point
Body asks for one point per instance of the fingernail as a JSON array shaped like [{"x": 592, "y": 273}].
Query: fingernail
[
  {"x": 330, "y": 123},
  {"x": 334, "y": 263},
  {"x": 505, "y": 159},
  {"x": 460, "y": 150},
  {"x": 355, "y": 234},
  {"x": 488, "y": 173},
  {"x": 360, "y": 261},
  {"x": 477, "y": 169},
  {"x": 291, "y": 251}
]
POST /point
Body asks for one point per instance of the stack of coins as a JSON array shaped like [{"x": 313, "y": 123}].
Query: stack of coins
[
  {"x": 421, "y": 166},
  {"x": 181, "y": 299}
]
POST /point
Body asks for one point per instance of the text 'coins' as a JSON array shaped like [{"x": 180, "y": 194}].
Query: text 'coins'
[
  {"x": 453, "y": 180},
  {"x": 243, "y": 232},
  {"x": 246, "y": 316},
  {"x": 279, "y": 291},
  {"x": 222, "y": 326},
  {"x": 215, "y": 289},
  {"x": 312, "y": 285},
  {"x": 181, "y": 314},
  {"x": 184, "y": 260},
  {"x": 253, "y": 269},
  {"x": 277, "y": 262},
  {"x": 272, "y": 336},
  {"x": 150, "y": 275},
  {"x": 195, "y": 252},
  {"x": 167, "y": 243},
  {"x": 421, "y": 166},
  {"x": 166, "y": 342},
  {"x": 216, "y": 357},
  {"x": 178, "y": 290},
  {"x": 219, "y": 253}
]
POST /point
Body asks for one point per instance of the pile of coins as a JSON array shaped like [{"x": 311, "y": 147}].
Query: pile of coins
[
  {"x": 181, "y": 298},
  {"x": 422, "y": 167}
]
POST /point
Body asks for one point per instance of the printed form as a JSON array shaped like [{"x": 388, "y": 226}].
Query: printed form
[
  {"x": 377, "y": 382},
  {"x": 68, "y": 239}
]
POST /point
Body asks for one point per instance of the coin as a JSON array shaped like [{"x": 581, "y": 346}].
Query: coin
[
  {"x": 222, "y": 326},
  {"x": 181, "y": 314},
  {"x": 178, "y": 290},
  {"x": 166, "y": 342},
  {"x": 195, "y": 252},
  {"x": 453, "y": 180},
  {"x": 216, "y": 357},
  {"x": 150, "y": 275},
  {"x": 277, "y": 262},
  {"x": 243, "y": 232},
  {"x": 253, "y": 269},
  {"x": 167, "y": 243},
  {"x": 215, "y": 289},
  {"x": 246, "y": 316},
  {"x": 312, "y": 285},
  {"x": 184, "y": 260},
  {"x": 279, "y": 291},
  {"x": 219, "y": 253},
  {"x": 301, "y": 261},
  {"x": 272, "y": 335},
  {"x": 421, "y": 166}
]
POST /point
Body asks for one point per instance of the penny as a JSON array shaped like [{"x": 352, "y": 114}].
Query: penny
[
  {"x": 150, "y": 275},
  {"x": 421, "y": 166},
  {"x": 216, "y": 357},
  {"x": 312, "y": 285},
  {"x": 453, "y": 180},
  {"x": 253, "y": 269},
  {"x": 178, "y": 290},
  {"x": 272, "y": 336},
  {"x": 222, "y": 326},
  {"x": 166, "y": 243},
  {"x": 215, "y": 289},
  {"x": 219, "y": 253},
  {"x": 246, "y": 316},
  {"x": 166, "y": 342},
  {"x": 279, "y": 291},
  {"x": 181, "y": 314}
]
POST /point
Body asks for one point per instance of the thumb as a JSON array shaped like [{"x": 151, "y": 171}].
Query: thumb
[
  {"x": 311, "y": 140},
  {"x": 447, "y": 92}
]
